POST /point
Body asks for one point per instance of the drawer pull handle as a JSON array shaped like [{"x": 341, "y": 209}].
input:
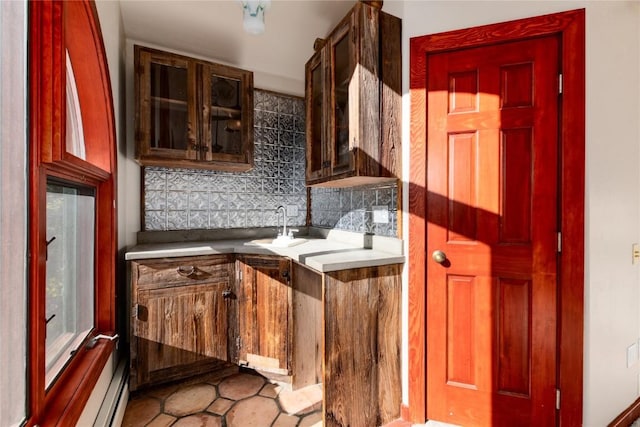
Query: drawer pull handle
[{"x": 186, "y": 271}]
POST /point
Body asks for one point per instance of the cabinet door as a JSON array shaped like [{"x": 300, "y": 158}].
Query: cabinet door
[
  {"x": 182, "y": 318},
  {"x": 343, "y": 102},
  {"x": 166, "y": 115},
  {"x": 264, "y": 301},
  {"x": 318, "y": 163},
  {"x": 227, "y": 122}
]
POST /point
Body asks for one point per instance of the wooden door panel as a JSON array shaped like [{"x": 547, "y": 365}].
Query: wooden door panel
[
  {"x": 491, "y": 197},
  {"x": 179, "y": 331},
  {"x": 463, "y": 92},
  {"x": 462, "y": 223},
  {"x": 272, "y": 296},
  {"x": 189, "y": 318},
  {"x": 461, "y": 331},
  {"x": 264, "y": 302},
  {"x": 516, "y": 202},
  {"x": 513, "y": 336}
]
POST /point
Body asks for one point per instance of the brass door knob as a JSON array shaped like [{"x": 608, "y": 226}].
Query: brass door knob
[{"x": 439, "y": 256}]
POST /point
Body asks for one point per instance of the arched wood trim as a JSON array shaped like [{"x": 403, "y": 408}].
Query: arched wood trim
[{"x": 570, "y": 26}]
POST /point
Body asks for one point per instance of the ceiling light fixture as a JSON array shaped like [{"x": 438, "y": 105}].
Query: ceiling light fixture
[{"x": 253, "y": 15}]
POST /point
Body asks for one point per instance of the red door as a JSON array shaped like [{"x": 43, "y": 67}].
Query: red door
[{"x": 492, "y": 168}]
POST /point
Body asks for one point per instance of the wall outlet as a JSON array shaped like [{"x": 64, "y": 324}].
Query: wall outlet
[
  {"x": 380, "y": 214},
  {"x": 632, "y": 354},
  {"x": 292, "y": 210}
]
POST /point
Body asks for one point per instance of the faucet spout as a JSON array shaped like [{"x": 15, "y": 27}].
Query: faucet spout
[{"x": 284, "y": 220}]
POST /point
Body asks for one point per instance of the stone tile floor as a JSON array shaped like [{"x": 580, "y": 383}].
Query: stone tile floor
[{"x": 245, "y": 399}]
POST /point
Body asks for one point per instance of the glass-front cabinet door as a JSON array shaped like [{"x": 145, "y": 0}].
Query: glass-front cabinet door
[
  {"x": 343, "y": 57},
  {"x": 318, "y": 162},
  {"x": 227, "y": 123},
  {"x": 167, "y": 125}
]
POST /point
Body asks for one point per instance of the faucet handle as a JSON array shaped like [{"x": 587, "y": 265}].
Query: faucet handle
[{"x": 291, "y": 230}]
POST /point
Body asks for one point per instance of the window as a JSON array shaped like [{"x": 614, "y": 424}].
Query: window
[
  {"x": 71, "y": 214},
  {"x": 69, "y": 271}
]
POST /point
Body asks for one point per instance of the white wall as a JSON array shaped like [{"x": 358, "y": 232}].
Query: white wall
[{"x": 612, "y": 298}]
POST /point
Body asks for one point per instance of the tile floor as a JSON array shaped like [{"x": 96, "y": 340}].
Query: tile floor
[{"x": 245, "y": 399}]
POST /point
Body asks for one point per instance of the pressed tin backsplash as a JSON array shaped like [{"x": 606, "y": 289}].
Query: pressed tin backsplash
[{"x": 189, "y": 199}]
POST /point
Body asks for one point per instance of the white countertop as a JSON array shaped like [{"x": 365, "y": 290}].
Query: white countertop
[{"x": 323, "y": 255}]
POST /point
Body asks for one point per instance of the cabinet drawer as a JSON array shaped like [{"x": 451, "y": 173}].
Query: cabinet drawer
[{"x": 169, "y": 272}]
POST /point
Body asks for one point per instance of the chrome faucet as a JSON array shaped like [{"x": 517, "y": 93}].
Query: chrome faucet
[{"x": 284, "y": 221}]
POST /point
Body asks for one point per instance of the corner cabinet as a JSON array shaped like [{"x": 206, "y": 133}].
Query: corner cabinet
[
  {"x": 353, "y": 101},
  {"x": 192, "y": 113},
  {"x": 182, "y": 318}
]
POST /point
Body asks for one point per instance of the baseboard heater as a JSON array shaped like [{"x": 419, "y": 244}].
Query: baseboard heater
[{"x": 115, "y": 401}]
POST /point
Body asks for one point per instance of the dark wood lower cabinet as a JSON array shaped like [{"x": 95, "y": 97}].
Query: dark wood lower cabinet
[
  {"x": 195, "y": 315},
  {"x": 362, "y": 346},
  {"x": 182, "y": 315}
]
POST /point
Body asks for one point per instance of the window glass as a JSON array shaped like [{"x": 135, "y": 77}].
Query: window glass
[
  {"x": 13, "y": 212},
  {"x": 70, "y": 271},
  {"x": 75, "y": 131},
  {"x": 341, "y": 81},
  {"x": 169, "y": 114}
]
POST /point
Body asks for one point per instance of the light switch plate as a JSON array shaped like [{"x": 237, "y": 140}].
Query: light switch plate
[{"x": 380, "y": 215}]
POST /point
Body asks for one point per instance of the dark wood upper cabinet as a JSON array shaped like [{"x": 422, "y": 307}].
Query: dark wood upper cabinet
[
  {"x": 192, "y": 113},
  {"x": 353, "y": 96}
]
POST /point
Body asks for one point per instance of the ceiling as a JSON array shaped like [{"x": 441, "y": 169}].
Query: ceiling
[{"x": 213, "y": 30}]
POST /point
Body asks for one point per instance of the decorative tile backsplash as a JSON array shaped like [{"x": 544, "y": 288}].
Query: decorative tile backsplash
[
  {"x": 352, "y": 209},
  {"x": 186, "y": 199},
  {"x": 190, "y": 199}
]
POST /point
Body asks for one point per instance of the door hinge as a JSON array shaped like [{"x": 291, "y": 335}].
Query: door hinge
[
  {"x": 560, "y": 83},
  {"x": 559, "y": 241},
  {"x": 239, "y": 275},
  {"x": 134, "y": 311},
  {"x": 558, "y": 399},
  {"x": 238, "y": 343}
]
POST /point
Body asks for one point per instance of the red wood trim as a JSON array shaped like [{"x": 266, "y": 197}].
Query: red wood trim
[
  {"x": 628, "y": 416},
  {"x": 571, "y": 28},
  {"x": 106, "y": 256},
  {"x": 572, "y": 207},
  {"x": 417, "y": 229},
  {"x": 83, "y": 39},
  {"x": 45, "y": 24},
  {"x": 67, "y": 399},
  {"x": 404, "y": 412}
]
